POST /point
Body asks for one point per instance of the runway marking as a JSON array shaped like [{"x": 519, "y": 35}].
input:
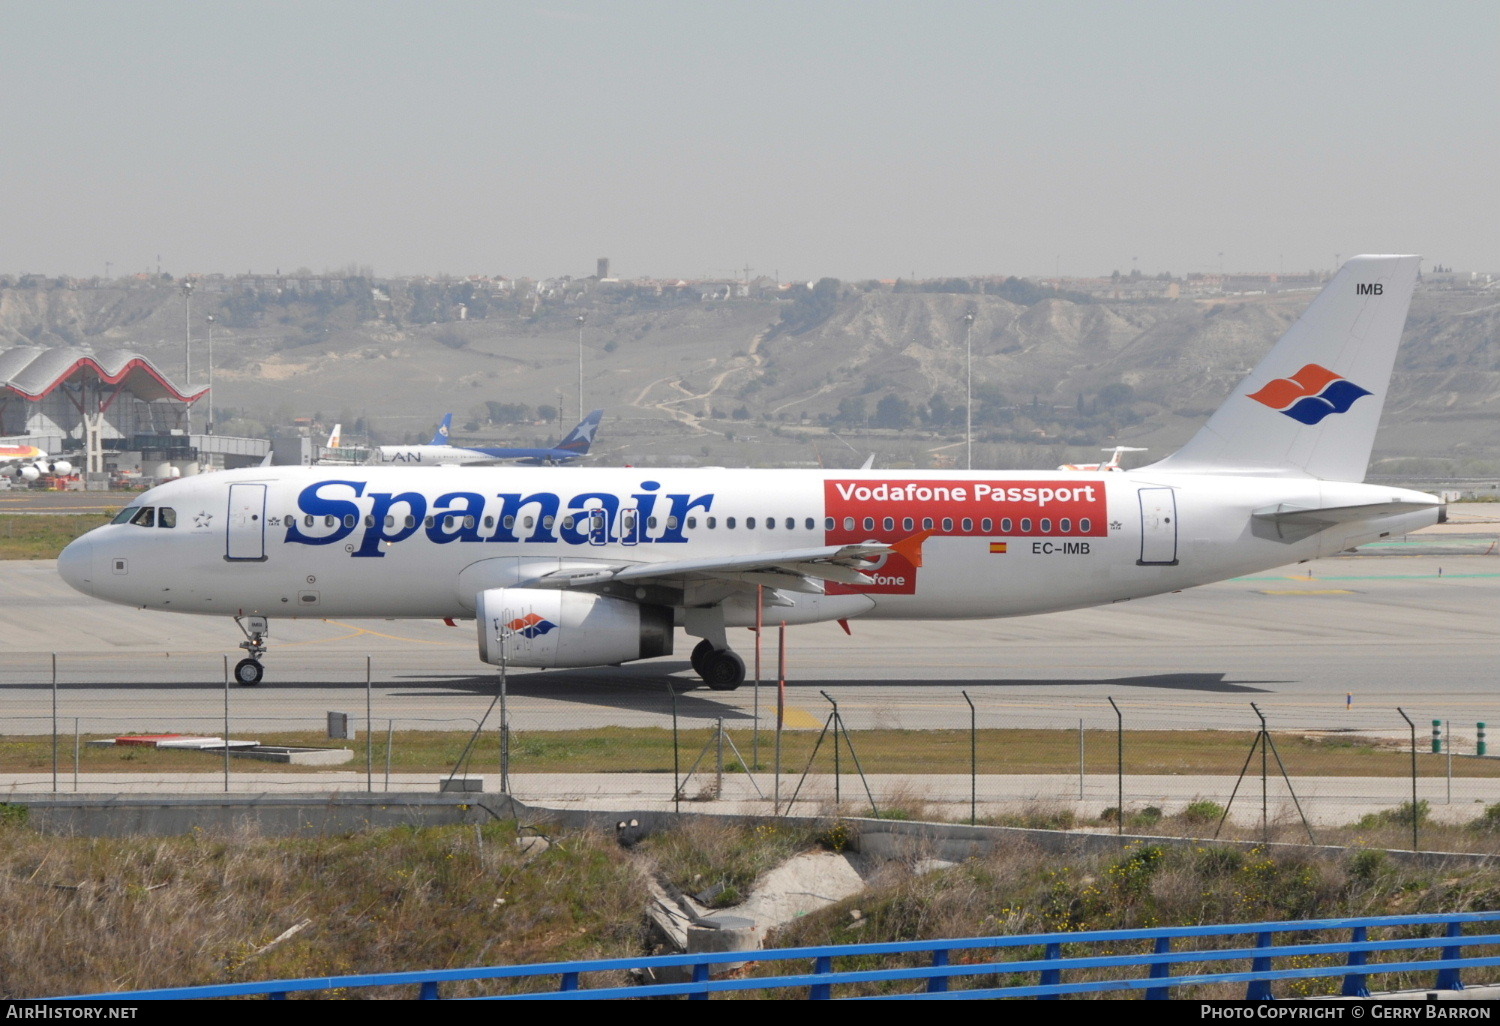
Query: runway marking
[
  {"x": 1306, "y": 591},
  {"x": 800, "y": 719}
]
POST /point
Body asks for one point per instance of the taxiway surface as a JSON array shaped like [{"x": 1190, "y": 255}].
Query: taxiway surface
[{"x": 1337, "y": 643}]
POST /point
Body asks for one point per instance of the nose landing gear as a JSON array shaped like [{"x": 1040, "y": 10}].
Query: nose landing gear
[{"x": 248, "y": 671}]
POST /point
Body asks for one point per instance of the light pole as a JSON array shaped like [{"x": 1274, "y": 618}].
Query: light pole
[
  {"x": 187, "y": 348},
  {"x": 210, "y": 373},
  {"x": 581, "y": 318},
  {"x": 969, "y": 391}
]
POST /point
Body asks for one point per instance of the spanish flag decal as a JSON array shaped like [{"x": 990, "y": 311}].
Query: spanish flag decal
[{"x": 997, "y": 547}]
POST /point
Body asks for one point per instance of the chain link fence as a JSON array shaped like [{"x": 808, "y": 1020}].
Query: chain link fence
[{"x": 1119, "y": 762}]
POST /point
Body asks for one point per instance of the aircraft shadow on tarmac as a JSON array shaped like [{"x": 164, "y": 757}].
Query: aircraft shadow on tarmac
[{"x": 644, "y": 688}]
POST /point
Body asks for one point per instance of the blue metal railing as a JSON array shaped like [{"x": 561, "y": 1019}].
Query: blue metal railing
[{"x": 1055, "y": 971}]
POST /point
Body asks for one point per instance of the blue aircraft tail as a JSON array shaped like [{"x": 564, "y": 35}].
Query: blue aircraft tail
[
  {"x": 582, "y": 436},
  {"x": 441, "y": 438}
]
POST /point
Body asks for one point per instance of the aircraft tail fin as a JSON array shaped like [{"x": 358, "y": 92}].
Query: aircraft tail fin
[
  {"x": 333, "y": 437},
  {"x": 1311, "y": 407},
  {"x": 441, "y": 438},
  {"x": 582, "y": 436}
]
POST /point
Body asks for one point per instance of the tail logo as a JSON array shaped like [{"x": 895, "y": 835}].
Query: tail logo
[
  {"x": 1311, "y": 394},
  {"x": 530, "y": 626}
]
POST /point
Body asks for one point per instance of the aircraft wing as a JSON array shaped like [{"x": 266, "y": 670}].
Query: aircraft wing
[
  {"x": 789, "y": 568},
  {"x": 1286, "y": 513}
]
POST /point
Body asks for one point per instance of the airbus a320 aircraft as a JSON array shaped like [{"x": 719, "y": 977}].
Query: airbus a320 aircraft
[{"x": 601, "y": 566}]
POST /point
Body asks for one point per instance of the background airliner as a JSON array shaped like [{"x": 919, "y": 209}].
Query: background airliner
[
  {"x": 602, "y": 565},
  {"x": 439, "y": 452},
  {"x": 29, "y": 463}
]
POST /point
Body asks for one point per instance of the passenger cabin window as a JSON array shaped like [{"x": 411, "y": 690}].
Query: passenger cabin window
[
  {"x": 729, "y": 523},
  {"x": 166, "y": 517},
  {"x": 770, "y": 523},
  {"x": 810, "y": 523},
  {"x": 749, "y": 523},
  {"x": 713, "y": 522},
  {"x": 908, "y": 524},
  {"x": 791, "y": 522},
  {"x": 890, "y": 523}
]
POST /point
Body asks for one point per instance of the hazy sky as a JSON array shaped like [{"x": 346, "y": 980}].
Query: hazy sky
[{"x": 849, "y": 139}]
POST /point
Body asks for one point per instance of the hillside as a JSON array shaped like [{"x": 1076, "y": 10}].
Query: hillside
[{"x": 732, "y": 381}]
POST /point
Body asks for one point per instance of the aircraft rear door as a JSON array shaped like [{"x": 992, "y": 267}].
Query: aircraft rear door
[
  {"x": 1158, "y": 527},
  {"x": 246, "y": 531}
]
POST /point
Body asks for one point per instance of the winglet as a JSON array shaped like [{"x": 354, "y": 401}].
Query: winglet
[{"x": 911, "y": 548}]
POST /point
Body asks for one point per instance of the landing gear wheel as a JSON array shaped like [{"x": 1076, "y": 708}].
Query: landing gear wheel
[
  {"x": 723, "y": 670},
  {"x": 248, "y": 672},
  {"x": 701, "y": 652}
]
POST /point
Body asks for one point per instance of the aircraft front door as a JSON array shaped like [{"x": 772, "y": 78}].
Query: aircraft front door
[
  {"x": 1158, "y": 527},
  {"x": 630, "y": 526},
  {"x": 246, "y": 530}
]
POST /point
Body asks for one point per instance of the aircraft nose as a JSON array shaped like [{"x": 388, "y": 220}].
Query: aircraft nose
[{"x": 75, "y": 564}]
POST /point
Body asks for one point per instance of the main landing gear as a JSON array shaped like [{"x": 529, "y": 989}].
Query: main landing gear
[
  {"x": 249, "y": 671},
  {"x": 720, "y": 668}
]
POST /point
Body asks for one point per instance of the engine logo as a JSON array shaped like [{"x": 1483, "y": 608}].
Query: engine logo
[{"x": 530, "y": 626}]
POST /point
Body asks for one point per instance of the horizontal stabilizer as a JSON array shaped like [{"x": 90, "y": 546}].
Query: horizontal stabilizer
[{"x": 1287, "y": 513}]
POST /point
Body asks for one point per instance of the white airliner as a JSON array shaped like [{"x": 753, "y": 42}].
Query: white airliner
[
  {"x": 29, "y": 463},
  {"x": 441, "y": 453},
  {"x": 600, "y": 566}
]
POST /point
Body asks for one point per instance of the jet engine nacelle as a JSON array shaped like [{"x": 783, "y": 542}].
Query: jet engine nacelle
[
  {"x": 62, "y": 468},
  {"x": 568, "y": 628},
  {"x": 30, "y": 472}
]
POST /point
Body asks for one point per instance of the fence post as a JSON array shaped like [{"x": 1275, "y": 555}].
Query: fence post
[
  {"x": 429, "y": 991},
  {"x": 1160, "y": 970},
  {"x": 1119, "y": 766},
  {"x": 1052, "y": 977},
  {"x": 1450, "y": 979},
  {"x": 1357, "y": 984},
  {"x": 226, "y": 724},
  {"x": 700, "y": 975},
  {"x": 54, "y": 722},
  {"x": 1414, "y": 812},
  {"x": 1260, "y": 990},
  {"x": 938, "y": 984},
  {"x": 369, "y": 732},
  {"x": 973, "y": 761},
  {"x": 821, "y": 991}
]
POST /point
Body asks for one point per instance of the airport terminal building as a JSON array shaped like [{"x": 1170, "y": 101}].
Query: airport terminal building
[{"x": 114, "y": 410}]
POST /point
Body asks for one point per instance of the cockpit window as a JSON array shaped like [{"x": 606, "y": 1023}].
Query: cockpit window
[
  {"x": 125, "y": 515},
  {"x": 166, "y": 517},
  {"x": 144, "y": 517}
]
